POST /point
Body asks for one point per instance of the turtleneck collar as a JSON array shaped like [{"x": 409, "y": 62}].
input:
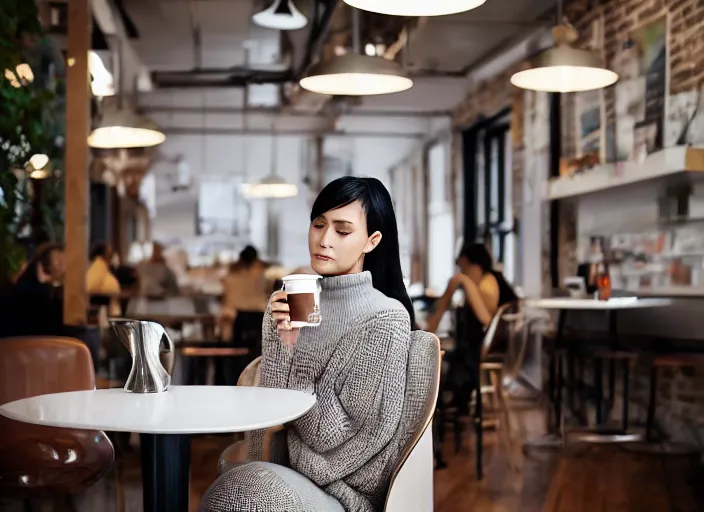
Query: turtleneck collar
[{"x": 347, "y": 281}]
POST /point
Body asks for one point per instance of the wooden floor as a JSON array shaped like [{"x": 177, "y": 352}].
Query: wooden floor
[
  {"x": 580, "y": 478},
  {"x": 597, "y": 479}
]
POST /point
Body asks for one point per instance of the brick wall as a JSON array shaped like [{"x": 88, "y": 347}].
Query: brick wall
[
  {"x": 680, "y": 401},
  {"x": 686, "y": 45}
]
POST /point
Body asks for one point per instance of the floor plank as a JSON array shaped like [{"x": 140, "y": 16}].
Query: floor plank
[{"x": 595, "y": 479}]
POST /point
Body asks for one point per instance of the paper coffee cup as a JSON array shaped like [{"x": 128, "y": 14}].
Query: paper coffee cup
[{"x": 303, "y": 297}]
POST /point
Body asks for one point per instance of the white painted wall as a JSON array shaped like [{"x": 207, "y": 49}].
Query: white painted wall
[
  {"x": 212, "y": 154},
  {"x": 533, "y": 217}
]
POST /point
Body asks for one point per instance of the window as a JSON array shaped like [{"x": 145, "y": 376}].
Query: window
[
  {"x": 488, "y": 168},
  {"x": 441, "y": 231}
]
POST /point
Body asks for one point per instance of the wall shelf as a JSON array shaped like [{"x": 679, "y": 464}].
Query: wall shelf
[{"x": 661, "y": 164}]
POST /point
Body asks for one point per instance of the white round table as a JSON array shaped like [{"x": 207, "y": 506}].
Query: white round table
[
  {"x": 615, "y": 303},
  {"x": 165, "y": 422}
]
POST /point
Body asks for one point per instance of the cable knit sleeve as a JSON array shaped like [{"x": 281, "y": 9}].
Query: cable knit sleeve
[
  {"x": 356, "y": 418},
  {"x": 275, "y": 365}
]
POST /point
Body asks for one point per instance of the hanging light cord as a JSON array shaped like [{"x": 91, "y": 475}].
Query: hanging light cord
[
  {"x": 563, "y": 32},
  {"x": 356, "y": 44},
  {"x": 273, "y": 149}
]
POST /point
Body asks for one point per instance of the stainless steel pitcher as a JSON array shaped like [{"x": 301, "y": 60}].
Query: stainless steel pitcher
[{"x": 152, "y": 354}]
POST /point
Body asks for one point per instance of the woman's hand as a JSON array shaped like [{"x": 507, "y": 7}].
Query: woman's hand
[
  {"x": 456, "y": 281},
  {"x": 280, "y": 314}
]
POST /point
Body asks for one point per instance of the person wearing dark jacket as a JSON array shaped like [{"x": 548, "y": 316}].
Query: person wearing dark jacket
[{"x": 34, "y": 304}]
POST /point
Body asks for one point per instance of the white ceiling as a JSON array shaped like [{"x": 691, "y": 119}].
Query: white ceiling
[
  {"x": 442, "y": 44},
  {"x": 452, "y": 43},
  {"x": 166, "y": 37}
]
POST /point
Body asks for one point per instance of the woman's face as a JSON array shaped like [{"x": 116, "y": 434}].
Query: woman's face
[
  {"x": 471, "y": 270},
  {"x": 338, "y": 241}
]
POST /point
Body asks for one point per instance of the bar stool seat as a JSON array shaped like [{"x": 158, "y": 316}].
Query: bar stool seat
[
  {"x": 598, "y": 354},
  {"x": 673, "y": 360}
]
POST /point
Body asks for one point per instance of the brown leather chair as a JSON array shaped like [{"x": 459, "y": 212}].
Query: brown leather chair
[{"x": 47, "y": 462}]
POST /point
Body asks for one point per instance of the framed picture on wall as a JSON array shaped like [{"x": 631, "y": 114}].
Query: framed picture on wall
[
  {"x": 590, "y": 109},
  {"x": 642, "y": 92}
]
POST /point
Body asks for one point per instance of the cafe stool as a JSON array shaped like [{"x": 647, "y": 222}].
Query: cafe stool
[
  {"x": 598, "y": 355},
  {"x": 674, "y": 360}
]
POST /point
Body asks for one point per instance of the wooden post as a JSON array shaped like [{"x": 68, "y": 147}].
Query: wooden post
[{"x": 76, "y": 173}]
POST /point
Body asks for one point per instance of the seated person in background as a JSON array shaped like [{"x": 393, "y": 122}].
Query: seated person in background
[
  {"x": 126, "y": 275},
  {"x": 156, "y": 279},
  {"x": 35, "y": 303},
  {"x": 485, "y": 291},
  {"x": 245, "y": 298},
  {"x": 34, "y": 306},
  {"x": 100, "y": 280}
]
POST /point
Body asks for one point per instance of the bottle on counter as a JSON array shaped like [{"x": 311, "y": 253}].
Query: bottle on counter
[{"x": 603, "y": 282}]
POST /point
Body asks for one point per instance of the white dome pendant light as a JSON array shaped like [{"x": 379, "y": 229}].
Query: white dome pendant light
[
  {"x": 281, "y": 15},
  {"x": 272, "y": 186},
  {"x": 120, "y": 127},
  {"x": 564, "y": 68},
  {"x": 354, "y": 74},
  {"x": 416, "y": 7}
]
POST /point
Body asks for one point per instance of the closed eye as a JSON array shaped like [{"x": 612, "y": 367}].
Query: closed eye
[
  {"x": 318, "y": 226},
  {"x": 343, "y": 233}
]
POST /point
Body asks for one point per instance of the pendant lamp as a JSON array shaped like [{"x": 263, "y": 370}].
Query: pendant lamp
[
  {"x": 119, "y": 127},
  {"x": 122, "y": 128},
  {"x": 281, "y": 15},
  {"x": 416, "y": 7},
  {"x": 564, "y": 68},
  {"x": 272, "y": 186},
  {"x": 354, "y": 74}
]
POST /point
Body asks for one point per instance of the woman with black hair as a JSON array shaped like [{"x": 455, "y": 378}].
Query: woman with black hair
[
  {"x": 485, "y": 290},
  {"x": 341, "y": 454}
]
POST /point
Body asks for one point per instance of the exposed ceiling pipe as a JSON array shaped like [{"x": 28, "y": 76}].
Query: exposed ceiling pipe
[
  {"x": 295, "y": 113},
  {"x": 255, "y": 132},
  {"x": 336, "y": 23},
  {"x": 318, "y": 32},
  {"x": 241, "y": 76},
  {"x": 232, "y": 77}
]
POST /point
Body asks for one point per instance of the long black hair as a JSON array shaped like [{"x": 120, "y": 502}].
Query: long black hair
[
  {"x": 477, "y": 254},
  {"x": 384, "y": 262}
]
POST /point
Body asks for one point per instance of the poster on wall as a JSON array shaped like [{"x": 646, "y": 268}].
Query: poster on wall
[
  {"x": 642, "y": 92},
  {"x": 590, "y": 111},
  {"x": 589, "y": 107}
]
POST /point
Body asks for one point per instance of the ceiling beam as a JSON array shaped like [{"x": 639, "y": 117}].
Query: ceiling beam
[
  {"x": 292, "y": 113},
  {"x": 253, "y": 132}
]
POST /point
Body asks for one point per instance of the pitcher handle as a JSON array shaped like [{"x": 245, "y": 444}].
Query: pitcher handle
[{"x": 168, "y": 347}]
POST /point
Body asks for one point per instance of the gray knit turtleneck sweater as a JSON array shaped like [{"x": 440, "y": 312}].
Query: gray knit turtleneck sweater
[{"x": 355, "y": 363}]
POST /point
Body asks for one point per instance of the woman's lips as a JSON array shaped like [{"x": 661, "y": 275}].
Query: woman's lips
[{"x": 321, "y": 257}]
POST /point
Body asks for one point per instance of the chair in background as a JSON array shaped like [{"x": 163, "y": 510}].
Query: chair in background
[
  {"x": 489, "y": 387},
  {"x": 411, "y": 483},
  {"x": 492, "y": 369},
  {"x": 38, "y": 462}
]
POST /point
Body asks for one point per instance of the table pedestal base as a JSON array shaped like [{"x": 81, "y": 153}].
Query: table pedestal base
[
  {"x": 544, "y": 441},
  {"x": 166, "y": 461}
]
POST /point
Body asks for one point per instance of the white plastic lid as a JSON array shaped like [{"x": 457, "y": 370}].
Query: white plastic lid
[{"x": 301, "y": 277}]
